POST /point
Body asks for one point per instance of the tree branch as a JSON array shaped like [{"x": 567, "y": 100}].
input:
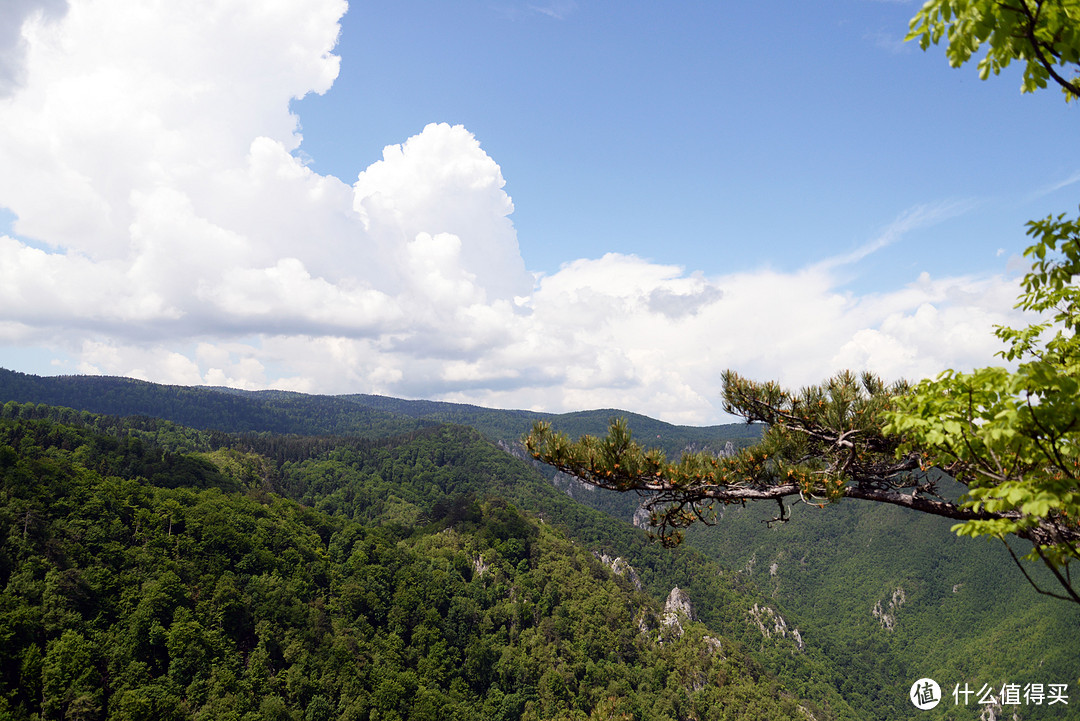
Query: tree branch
[
  {"x": 1034, "y": 585},
  {"x": 1037, "y": 48}
]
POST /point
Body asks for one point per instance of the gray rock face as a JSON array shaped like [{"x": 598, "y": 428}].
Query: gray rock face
[
  {"x": 886, "y": 614},
  {"x": 620, "y": 567},
  {"x": 771, "y": 623},
  {"x": 714, "y": 646},
  {"x": 678, "y": 610}
]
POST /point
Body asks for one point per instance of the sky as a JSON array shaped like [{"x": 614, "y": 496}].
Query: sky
[{"x": 554, "y": 205}]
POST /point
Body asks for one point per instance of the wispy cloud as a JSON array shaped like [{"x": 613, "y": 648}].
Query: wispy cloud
[
  {"x": 1054, "y": 187},
  {"x": 557, "y": 9},
  {"x": 914, "y": 218}
]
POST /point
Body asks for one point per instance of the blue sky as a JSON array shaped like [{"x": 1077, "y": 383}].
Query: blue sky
[
  {"x": 711, "y": 135},
  {"x": 541, "y": 205}
]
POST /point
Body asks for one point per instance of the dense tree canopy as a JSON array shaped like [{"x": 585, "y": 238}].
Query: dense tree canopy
[{"x": 202, "y": 596}]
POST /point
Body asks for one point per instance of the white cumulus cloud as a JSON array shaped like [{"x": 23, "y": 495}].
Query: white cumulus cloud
[{"x": 167, "y": 230}]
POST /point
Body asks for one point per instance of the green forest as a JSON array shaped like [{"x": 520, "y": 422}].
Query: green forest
[
  {"x": 423, "y": 570},
  {"x": 141, "y": 582}
]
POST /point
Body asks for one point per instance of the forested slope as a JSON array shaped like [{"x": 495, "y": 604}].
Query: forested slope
[
  {"x": 889, "y": 593},
  {"x": 125, "y": 599},
  {"x": 941, "y": 606},
  {"x": 963, "y": 615}
]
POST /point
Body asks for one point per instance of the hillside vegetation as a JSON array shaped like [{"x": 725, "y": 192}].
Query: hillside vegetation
[
  {"x": 837, "y": 611},
  {"x": 123, "y": 598}
]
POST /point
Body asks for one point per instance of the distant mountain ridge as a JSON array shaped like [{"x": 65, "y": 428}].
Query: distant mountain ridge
[{"x": 276, "y": 411}]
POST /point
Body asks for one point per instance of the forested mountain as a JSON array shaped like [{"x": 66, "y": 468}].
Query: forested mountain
[
  {"x": 222, "y": 598},
  {"x": 880, "y": 586},
  {"x": 837, "y": 611},
  {"x": 949, "y": 608},
  {"x": 205, "y": 408},
  {"x": 227, "y": 409},
  {"x": 509, "y": 425}
]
